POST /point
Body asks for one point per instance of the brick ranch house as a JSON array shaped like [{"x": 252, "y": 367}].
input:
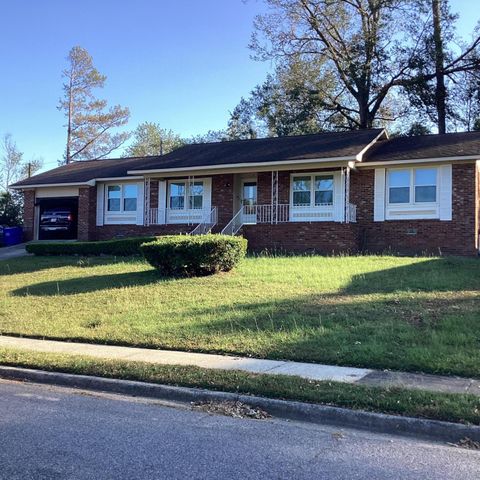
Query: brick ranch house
[{"x": 328, "y": 192}]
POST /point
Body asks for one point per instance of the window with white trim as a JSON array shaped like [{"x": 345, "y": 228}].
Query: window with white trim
[
  {"x": 122, "y": 198},
  {"x": 177, "y": 195},
  {"x": 412, "y": 186},
  {"x": 323, "y": 190},
  {"x": 312, "y": 190},
  {"x": 195, "y": 195},
  {"x": 186, "y": 195}
]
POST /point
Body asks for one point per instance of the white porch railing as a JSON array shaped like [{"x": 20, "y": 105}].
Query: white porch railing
[
  {"x": 255, "y": 214},
  {"x": 282, "y": 213},
  {"x": 206, "y": 225},
  {"x": 162, "y": 216}
]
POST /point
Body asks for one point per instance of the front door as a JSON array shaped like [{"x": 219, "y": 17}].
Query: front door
[{"x": 249, "y": 201}]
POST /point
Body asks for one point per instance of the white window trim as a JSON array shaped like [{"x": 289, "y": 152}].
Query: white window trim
[
  {"x": 121, "y": 217},
  {"x": 188, "y": 215},
  {"x": 412, "y": 210},
  {"x": 313, "y": 213}
]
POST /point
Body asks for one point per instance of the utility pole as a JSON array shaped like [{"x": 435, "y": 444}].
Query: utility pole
[{"x": 161, "y": 147}]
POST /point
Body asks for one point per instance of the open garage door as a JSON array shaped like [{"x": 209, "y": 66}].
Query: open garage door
[{"x": 57, "y": 218}]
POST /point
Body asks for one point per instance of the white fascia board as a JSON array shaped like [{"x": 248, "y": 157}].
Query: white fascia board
[
  {"x": 90, "y": 183},
  {"x": 243, "y": 165},
  {"x": 111, "y": 179},
  {"x": 359, "y": 156},
  {"x": 466, "y": 158}
]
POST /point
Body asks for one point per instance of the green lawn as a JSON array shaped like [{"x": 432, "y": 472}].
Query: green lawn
[{"x": 420, "y": 314}]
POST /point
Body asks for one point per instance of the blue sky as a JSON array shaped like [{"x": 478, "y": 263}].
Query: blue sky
[{"x": 181, "y": 63}]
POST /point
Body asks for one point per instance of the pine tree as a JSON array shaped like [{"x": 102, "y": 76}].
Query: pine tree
[{"x": 89, "y": 122}]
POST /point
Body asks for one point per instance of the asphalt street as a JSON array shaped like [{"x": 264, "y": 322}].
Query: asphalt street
[{"x": 59, "y": 433}]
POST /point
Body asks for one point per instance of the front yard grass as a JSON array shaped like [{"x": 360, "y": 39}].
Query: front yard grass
[
  {"x": 413, "y": 403},
  {"x": 414, "y": 314}
]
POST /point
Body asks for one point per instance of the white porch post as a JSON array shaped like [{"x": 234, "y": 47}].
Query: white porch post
[
  {"x": 347, "y": 195},
  {"x": 146, "y": 201},
  {"x": 274, "y": 198}
]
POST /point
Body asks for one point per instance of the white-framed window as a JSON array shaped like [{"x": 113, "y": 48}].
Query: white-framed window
[
  {"x": 130, "y": 195},
  {"x": 177, "y": 195},
  {"x": 323, "y": 190},
  {"x": 195, "y": 195},
  {"x": 114, "y": 198},
  {"x": 122, "y": 198},
  {"x": 312, "y": 190},
  {"x": 302, "y": 191},
  {"x": 412, "y": 186},
  {"x": 185, "y": 195}
]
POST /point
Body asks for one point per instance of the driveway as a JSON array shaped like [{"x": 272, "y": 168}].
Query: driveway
[
  {"x": 11, "y": 252},
  {"x": 57, "y": 433}
]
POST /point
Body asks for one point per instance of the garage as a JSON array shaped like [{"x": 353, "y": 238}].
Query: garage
[{"x": 57, "y": 218}]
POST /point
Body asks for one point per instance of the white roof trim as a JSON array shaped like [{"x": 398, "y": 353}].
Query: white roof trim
[
  {"x": 90, "y": 183},
  {"x": 240, "y": 165},
  {"x": 109, "y": 179},
  {"x": 419, "y": 160}
]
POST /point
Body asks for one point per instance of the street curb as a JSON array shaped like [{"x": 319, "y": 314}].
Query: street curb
[{"x": 291, "y": 410}]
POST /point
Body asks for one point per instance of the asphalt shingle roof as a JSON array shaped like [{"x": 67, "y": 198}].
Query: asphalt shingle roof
[
  {"x": 425, "y": 146},
  {"x": 277, "y": 149}
]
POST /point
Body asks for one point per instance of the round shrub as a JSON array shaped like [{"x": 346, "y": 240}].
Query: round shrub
[{"x": 194, "y": 255}]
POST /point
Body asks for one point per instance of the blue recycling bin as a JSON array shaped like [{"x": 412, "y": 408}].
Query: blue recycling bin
[{"x": 12, "y": 236}]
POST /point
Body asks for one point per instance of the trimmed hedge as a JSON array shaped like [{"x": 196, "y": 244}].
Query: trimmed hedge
[
  {"x": 123, "y": 247},
  {"x": 194, "y": 255}
]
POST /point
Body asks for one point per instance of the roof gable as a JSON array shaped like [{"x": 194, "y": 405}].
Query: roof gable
[{"x": 463, "y": 144}]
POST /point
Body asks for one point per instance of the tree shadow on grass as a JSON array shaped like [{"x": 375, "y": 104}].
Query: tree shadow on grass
[
  {"x": 21, "y": 265},
  {"x": 419, "y": 332},
  {"x": 89, "y": 284},
  {"x": 429, "y": 275},
  {"x": 412, "y": 333},
  {"x": 436, "y": 274}
]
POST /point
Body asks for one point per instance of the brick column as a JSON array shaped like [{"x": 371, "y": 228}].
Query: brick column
[
  {"x": 87, "y": 213},
  {"x": 28, "y": 214},
  {"x": 222, "y": 197}
]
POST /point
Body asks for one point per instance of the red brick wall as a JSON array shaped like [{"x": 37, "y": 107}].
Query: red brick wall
[
  {"x": 108, "y": 232},
  {"x": 299, "y": 237},
  {"x": 28, "y": 214},
  {"x": 154, "y": 194},
  {"x": 222, "y": 197},
  {"x": 456, "y": 237},
  {"x": 87, "y": 212}
]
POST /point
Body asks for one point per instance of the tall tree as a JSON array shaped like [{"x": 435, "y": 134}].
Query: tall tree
[
  {"x": 350, "y": 41},
  {"x": 443, "y": 66},
  {"x": 374, "y": 51},
  {"x": 89, "y": 122},
  {"x": 11, "y": 162},
  {"x": 212, "y": 136},
  {"x": 242, "y": 122},
  {"x": 13, "y": 167},
  {"x": 440, "y": 89},
  {"x": 150, "y": 139}
]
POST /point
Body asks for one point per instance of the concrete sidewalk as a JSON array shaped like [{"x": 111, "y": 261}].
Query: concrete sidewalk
[
  {"x": 310, "y": 371},
  {"x": 6, "y": 253}
]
